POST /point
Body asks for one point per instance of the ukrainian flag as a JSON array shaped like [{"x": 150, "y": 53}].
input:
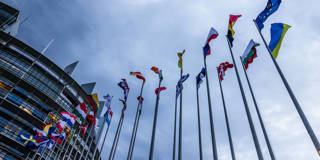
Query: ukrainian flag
[{"x": 278, "y": 30}]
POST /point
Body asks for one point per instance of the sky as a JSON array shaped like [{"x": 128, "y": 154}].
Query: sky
[{"x": 111, "y": 38}]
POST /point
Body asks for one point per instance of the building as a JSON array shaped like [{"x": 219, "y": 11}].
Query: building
[{"x": 33, "y": 91}]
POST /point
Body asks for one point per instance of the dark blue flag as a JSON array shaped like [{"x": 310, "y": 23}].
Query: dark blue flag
[
  {"x": 201, "y": 75},
  {"x": 179, "y": 86},
  {"x": 271, "y": 7}
]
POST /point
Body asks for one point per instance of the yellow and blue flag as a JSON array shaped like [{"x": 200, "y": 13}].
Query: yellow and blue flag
[
  {"x": 28, "y": 140},
  {"x": 278, "y": 30},
  {"x": 271, "y": 7}
]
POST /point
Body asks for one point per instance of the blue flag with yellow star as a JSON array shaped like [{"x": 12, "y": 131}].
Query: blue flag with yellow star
[{"x": 271, "y": 7}]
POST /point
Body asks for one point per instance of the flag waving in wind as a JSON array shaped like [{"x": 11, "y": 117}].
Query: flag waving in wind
[
  {"x": 179, "y": 86},
  {"x": 124, "y": 85},
  {"x": 157, "y": 91},
  {"x": 212, "y": 35},
  {"x": 108, "y": 115},
  {"x": 271, "y": 7},
  {"x": 200, "y": 76},
  {"x": 180, "y": 54},
  {"x": 157, "y": 71},
  {"x": 138, "y": 75},
  {"x": 81, "y": 111},
  {"x": 249, "y": 54},
  {"x": 232, "y": 21},
  {"x": 69, "y": 118},
  {"x": 124, "y": 107},
  {"x": 222, "y": 68},
  {"x": 278, "y": 30}
]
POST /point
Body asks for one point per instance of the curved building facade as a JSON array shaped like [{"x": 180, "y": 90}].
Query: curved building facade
[{"x": 33, "y": 92}]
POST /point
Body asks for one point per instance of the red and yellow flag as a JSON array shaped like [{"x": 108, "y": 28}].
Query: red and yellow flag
[
  {"x": 232, "y": 21},
  {"x": 138, "y": 75}
]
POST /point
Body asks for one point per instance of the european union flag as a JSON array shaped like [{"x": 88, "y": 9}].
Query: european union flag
[{"x": 272, "y": 6}]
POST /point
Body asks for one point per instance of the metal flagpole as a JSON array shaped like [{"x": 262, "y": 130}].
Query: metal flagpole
[
  {"x": 199, "y": 123},
  {"x": 96, "y": 148},
  {"x": 74, "y": 138},
  {"x": 174, "y": 132},
  {"x": 63, "y": 144},
  {"x": 180, "y": 123},
  {"x": 213, "y": 138},
  {"x": 253, "y": 131},
  {"x": 135, "y": 126},
  {"x": 272, "y": 156},
  {"x": 115, "y": 138},
  {"x": 86, "y": 141},
  {"x": 293, "y": 98},
  {"x": 86, "y": 155},
  {"x": 115, "y": 148},
  {"x": 135, "y": 133},
  {"x": 227, "y": 120},
  {"x": 155, "y": 117},
  {"x": 104, "y": 139}
]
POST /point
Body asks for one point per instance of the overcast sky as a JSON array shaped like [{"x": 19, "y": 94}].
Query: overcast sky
[{"x": 111, "y": 38}]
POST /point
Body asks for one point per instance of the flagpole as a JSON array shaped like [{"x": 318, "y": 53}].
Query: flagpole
[
  {"x": 293, "y": 98},
  {"x": 104, "y": 139},
  {"x": 86, "y": 141},
  {"x": 135, "y": 126},
  {"x": 115, "y": 138},
  {"x": 227, "y": 120},
  {"x": 96, "y": 148},
  {"x": 115, "y": 148},
  {"x": 86, "y": 155},
  {"x": 272, "y": 156},
  {"x": 253, "y": 131},
  {"x": 180, "y": 123},
  {"x": 63, "y": 144},
  {"x": 213, "y": 139},
  {"x": 53, "y": 147},
  {"x": 174, "y": 132},
  {"x": 199, "y": 123},
  {"x": 74, "y": 138},
  {"x": 155, "y": 117}
]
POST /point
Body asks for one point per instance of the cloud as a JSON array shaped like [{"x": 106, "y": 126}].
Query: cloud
[{"x": 112, "y": 38}]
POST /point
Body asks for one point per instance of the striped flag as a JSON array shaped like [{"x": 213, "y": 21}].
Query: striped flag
[
  {"x": 69, "y": 118},
  {"x": 81, "y": 111}
]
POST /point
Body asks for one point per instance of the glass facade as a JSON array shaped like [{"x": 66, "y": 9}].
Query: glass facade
[{"x": 32, "y": 92}]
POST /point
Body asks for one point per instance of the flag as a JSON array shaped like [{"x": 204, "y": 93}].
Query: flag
[
  {"x": 91, "y": 119},
  {"x": 180, "y": 54},
  {"x": 200, "y": 76},
  {"x": 278, "y": 30},
  {"x": 157, "y": 71},
  {"x": 206, "y": 50},
  {"x": 271, "y": 7},
  {"x": 48, "y": 129},
  {"x": 125, "y": 87},
  {"x": 83, "y": 129},
  {"x": 40, "y": 135},
  {"x": 232, "y": 21},
  {"x": 58, "y": 137},
  {"x": 179, "y": 86},
  {"x": 140, "y": 99},
  {"x": 60, "y": 125},
  {"x": 138, "y": 75},
  {"x": 124, "y": 107},
  {"x": 108, "y": 99},
  {"x": 249, "y": 54},
  {"x": 108, "y": 115},
  {"x": 48, "y": 143},
  {"x": 70, "y": 137},
  {"x": 81, "y": 111},
  {"x": 28, "y": 140},
  {"x": 222, "y": 68},
  {"x": 159, "y": 90},
  {"x": 94, "y": 102},
  {"x": 69, "y": 118},
  {"x": 213, "y": 34}
]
